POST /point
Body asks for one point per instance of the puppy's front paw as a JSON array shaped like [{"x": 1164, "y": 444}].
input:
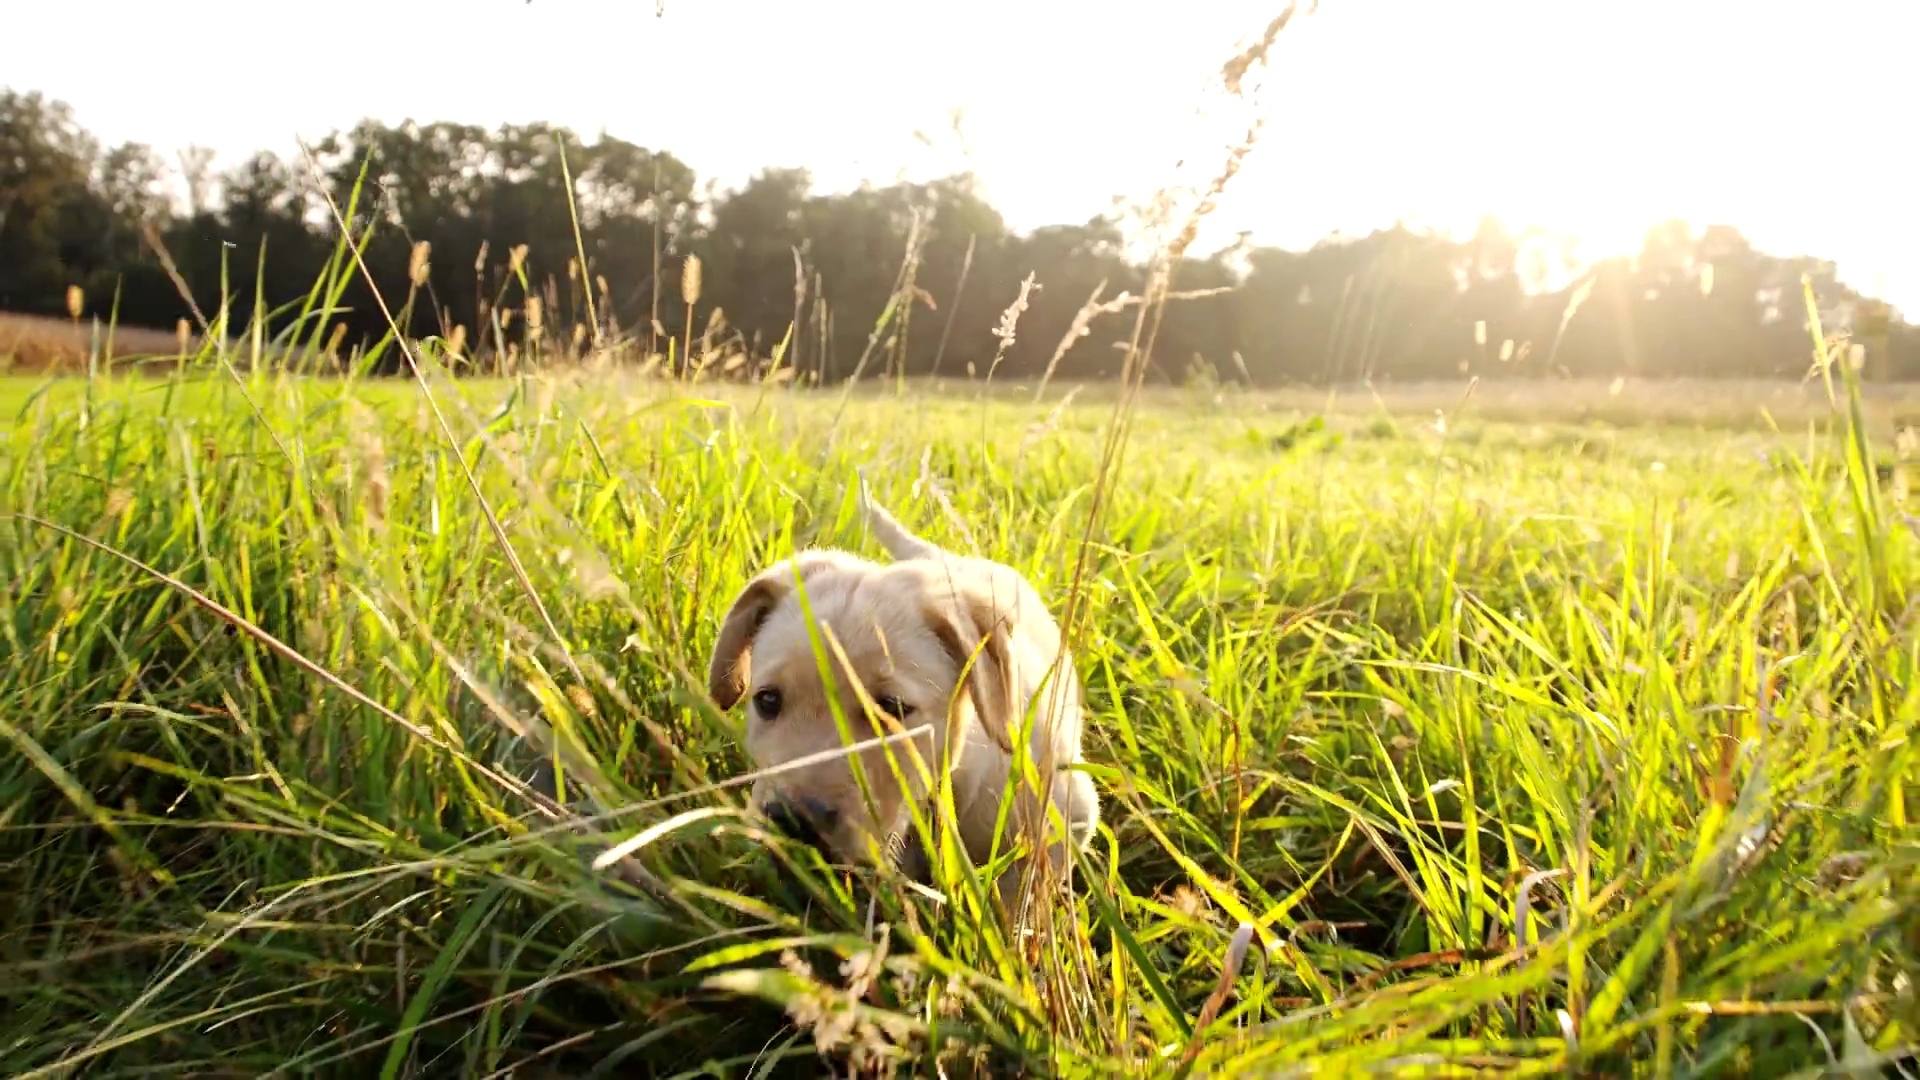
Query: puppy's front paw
[
  {"x": 912, "y": 859},
  {"x": 1081, "y": 807}
]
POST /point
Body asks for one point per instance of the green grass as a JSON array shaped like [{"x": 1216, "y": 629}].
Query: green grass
[{"x": 1378, "y": 690}]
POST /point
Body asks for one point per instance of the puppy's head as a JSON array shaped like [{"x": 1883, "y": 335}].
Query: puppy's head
[{"x": 910, "y": 634}]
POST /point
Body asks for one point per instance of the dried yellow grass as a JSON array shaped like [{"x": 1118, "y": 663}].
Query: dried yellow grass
[
  {"x": 419, "y": 264},
  {"x": 690, "y": 279},
  {"x": 34, "y": 343}
]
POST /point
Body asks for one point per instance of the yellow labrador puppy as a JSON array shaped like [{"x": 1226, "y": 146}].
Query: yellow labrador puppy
[{"x": 959, "y": 652}]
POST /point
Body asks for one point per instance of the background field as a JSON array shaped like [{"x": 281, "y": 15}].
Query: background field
[
  {"x": 1559, "y": 721},
  {"x": 1521, "y": 738},
  {"x": 40, "y": 343}
]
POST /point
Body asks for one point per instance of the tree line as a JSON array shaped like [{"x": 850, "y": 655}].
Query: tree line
[{"x": 486, "y": 230}]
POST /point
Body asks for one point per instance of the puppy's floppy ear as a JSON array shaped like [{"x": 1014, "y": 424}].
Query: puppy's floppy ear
[
  {"x": 728, "y": 669},
  {"x": 973, "y": 630},
  {"x": 726, "y": 672}
]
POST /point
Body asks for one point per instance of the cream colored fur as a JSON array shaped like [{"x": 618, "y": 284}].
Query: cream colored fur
[{"x": 964, "y": 647}]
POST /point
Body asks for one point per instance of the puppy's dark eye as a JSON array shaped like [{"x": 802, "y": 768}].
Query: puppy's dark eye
[
  {"x": 893, "y": 706},
  {"x": 767, "y": 703}
]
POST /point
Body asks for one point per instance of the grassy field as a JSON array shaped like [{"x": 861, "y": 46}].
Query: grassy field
[
  {"x": 36, "y": 343},
  {"x": 1543, "y": 746}
]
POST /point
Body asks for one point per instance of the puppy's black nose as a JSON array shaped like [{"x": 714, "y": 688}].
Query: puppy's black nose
[
  {"x": 792, "y": 822},
  {"x": 808, "y": 820},
  {"x": 823, "y": 815}
]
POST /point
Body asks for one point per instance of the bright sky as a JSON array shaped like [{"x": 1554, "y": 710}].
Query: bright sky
[{"x": 1595, "y": 119}]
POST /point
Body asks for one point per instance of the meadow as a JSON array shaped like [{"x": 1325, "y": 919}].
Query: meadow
[{"x": 1435, "y": 736}]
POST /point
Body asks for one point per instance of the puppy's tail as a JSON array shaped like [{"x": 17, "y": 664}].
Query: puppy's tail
[{"x": 899, "y": 541}]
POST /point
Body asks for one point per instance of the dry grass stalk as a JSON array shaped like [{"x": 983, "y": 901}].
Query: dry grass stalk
[
  {"x": 953, "y": 306},
  {"x": 690, "y": 292},
  {"x": 418, "y": 264},
  {"x": 1009, "y": 323},
  {"x": 1082, "y": 324},
  {"x": 1234, "y": 72},
  {"x": 1077, "y": 609},
  {"x": 536, "y": 316}
]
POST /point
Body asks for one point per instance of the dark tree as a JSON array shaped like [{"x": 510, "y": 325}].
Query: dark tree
[{"x": 907, "y": 279}]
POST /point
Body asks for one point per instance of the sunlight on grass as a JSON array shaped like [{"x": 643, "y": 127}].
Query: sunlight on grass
[
  {"x": 358, "y": 727},
  {"x": 1511, "y": 746}
]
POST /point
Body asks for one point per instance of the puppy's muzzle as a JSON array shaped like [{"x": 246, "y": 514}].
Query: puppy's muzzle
[{"x": 809, "y": 821}]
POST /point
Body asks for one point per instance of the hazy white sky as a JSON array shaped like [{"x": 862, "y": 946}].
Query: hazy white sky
[{"x": 1788, "y": 120}]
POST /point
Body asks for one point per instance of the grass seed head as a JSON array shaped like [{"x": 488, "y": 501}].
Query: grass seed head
[
  {"x": 583, "y": 702},
  {"x": 690, "y": 279}
]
